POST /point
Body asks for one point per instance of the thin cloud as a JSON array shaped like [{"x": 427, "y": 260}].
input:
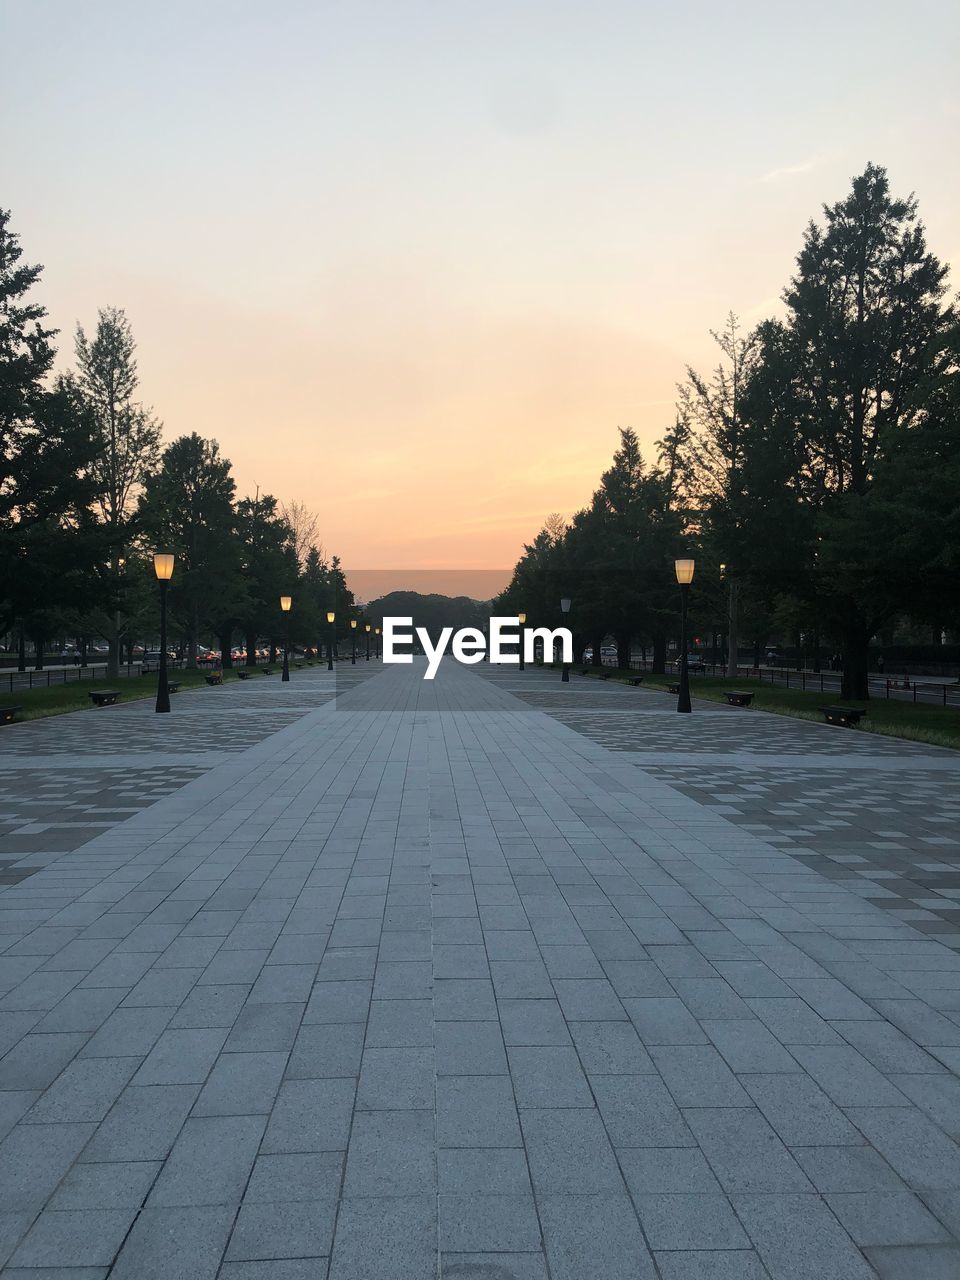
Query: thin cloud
[{"x": 787, "y": 171}]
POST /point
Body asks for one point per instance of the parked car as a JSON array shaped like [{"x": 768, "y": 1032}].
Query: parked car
[{"x": 695, "y": 662}]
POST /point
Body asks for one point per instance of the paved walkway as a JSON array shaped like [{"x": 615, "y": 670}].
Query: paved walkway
[{"x": 490, "y": 979}]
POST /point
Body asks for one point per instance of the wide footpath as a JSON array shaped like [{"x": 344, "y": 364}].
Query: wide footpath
[{"x": 491, "y": 978}]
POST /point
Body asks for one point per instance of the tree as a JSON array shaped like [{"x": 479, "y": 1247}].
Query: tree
[
  {"x": 302, "y": 523},
  {"x": 843, "y": 383},
  {"x": 268, "y": 567},
  {"x": 47, "y": 543},
  {"x": 187, "y": 508},
  {"x": 127, "y": 437}
]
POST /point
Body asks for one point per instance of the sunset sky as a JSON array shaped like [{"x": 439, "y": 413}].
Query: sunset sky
[{"x": 414, "y": 263}]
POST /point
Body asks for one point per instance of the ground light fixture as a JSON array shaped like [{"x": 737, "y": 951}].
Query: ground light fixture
[
  {"x": 163, "y": 563},
  {"x": 286, "y": 603},
  {"x": 331, "y": 619},
  {"x": 353, "y": 642},
  {"x": 565, "y": 609},
  {"x": 367, "y": 628},
  {"x": 522, "y": 619},
  {"x": 684, "y": 572}
]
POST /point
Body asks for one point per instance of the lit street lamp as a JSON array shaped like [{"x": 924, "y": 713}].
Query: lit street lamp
[
  {"x": 522, "y": 619},
  {"x": 163, "y": 568},
  {"x": 379, "y": 649},
  {"x": 331, "y": 619},
  {"x": 367, "y": 630},
  {"x": 285, "y": 603},
  {"x": 353, "y": 642},
  {"x": 684, "y": 572},
  {"x": 565, "y": 609}
]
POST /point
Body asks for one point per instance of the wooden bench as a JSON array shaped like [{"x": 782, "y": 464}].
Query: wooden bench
[
  {"x": 173, "y": 686},
  {"x": 8, "y": 714},
  {"x": 635, "y": 680},
  {"x": 267, "y": 671},
  {"x": 846, "y": 716},
  {"x": 104, "y": 697},
  {"x": 737, "y": 698},
  {"x": 242, "y": 673},
  {"x": 215, "y": 677}
]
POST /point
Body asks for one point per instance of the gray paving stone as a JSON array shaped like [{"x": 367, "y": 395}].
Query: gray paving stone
[
  {"x": 664, "y": 1021},
  {"x": 263, "y": 1028},
  {"x": 391, "y": 1153},
  {"x": 709, "y": 1264},
  {"x": 476, "y": 1111},
  {"x": 801, "y": 1113},
  {"x": 638, "y": 1111},
  {"x": 697, "y": 1076},
  {"x": 209, "y": 1163},
  {"x": 690, "y": 1221},
  {"x": 37, "y": 1060},
  {"x": 744, "y": 1152},
  {"x": 382, "y": 1239},
  {"x": 493, "y": 1266},
  {"x": 396, "y": 1080},
  {"x": 667, "y": 1171},
  {"x": 182, "y": 1056},
  {"x": 747, "y": 1045},
  {"x": 797, "y": 1236},
  {"x": 548, "y": 1076},
  {"x": 488, "y": 1223},
  {"x": 283, "y": 1230},
  {"x": 886, "y": 1218},
  {"x": 533, "y": 1022},
  {"x": 106, "y": 1186},
  {"x": 325, "y": 1049},
  {"x": 483, "y": 1171},
  {"x": 74, "y": 1238},
  {"x": 569, "y": 1153},
  {"x": 143, "y": 1123},
  {"x": 932, "y": 1262},
  {"x": 912, "y": 1144},
  {"x": 242, "y": 1084},
  {"x": 469, "y": 1048},
  {"x": 310, "y": 1115},
  {"x": 85, "y": 1091},
  {"x": 346, "y": 1001},
  {"x": 175, "y": 1244},
  {"x": 593, "y": 1234},
  {"x": 400, "y": 1024}
]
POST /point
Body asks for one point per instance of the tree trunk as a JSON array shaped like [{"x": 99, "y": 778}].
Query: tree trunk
[
  {"x": 226, "y": 657},
  {"x": 623, "y": 650},
  {"x": 758, "y": 644},
  {"x": 83, "y": 651},
  {"x": 251, "y": 650},
  {"x": 38, "y": 654},
  {"x": 273, "y": 651},
  {"x": 659, "y": 655},
  {"x": 22, "y": 650},
  {"x": 596, "y": 645},
  {"x": 856, "y": 653},
  {"x": 733, "y": 657},
  {"x": 113, "y": 649}
]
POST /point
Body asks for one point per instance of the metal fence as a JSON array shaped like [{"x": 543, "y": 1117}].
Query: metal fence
[{"x": 900, "y": 689}]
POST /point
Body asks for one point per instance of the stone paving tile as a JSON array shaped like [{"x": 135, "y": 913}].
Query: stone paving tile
[{"x": 471, "y": 990}]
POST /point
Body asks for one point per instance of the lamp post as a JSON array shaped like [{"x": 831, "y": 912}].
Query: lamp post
[
  {"x": 522, "y": 619},
  {"x": 367, "y": 630},
  {"x": 379, "y": 650},
  {"x": 285, "y": 603},
  {"x": 732, "y": 639},
  {"x": 163, "y": 568},
  {"x": 684, "y": 572},
  {"x": 331, "y": 619},
  {"x": 564, "y": 609},
  {"x": 353, "y": 642}
]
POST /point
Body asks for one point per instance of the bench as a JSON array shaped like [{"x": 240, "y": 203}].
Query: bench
[
  {"x": 737, "y": 698},
  {"x": 173, "y": 686},
  {"x": 267, "y": 671},
  {"x": 242, "y": 673},
  {"x": 607, "y": 675},
  {"x": 298, "y": 666},
  {"x": 104, "y": 697},
  {"x": 673, "y": 688},
  {"x": 8, "y": 714},
  {"x": 584, "y": 671},
  {"x": 215, "y": 677},
  {"x": 635, "y": 680},
  {"x": 846, "y": 716}
]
